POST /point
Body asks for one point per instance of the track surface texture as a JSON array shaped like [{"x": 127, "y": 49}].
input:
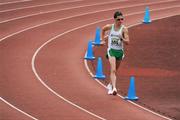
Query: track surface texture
[
  {"x": 42, "y": 70},
  {"x": 153, "y": 58}
]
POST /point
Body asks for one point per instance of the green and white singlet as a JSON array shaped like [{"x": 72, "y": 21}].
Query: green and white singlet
[
  {"x": 115, "y": 44},
  {"x": 114, "y": 39}
]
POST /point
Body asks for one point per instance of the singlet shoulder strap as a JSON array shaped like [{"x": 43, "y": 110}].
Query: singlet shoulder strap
[{"x": 112, "y": 26}]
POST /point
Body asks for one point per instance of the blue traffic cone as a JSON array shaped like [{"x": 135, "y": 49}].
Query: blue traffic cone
[
  {"x": 89, "y": 53},
  {"x": 131, "y": 92},
  {"x": 97, "y": 40},
  {"x": 99, "y": 69},
  {"x": 147, "y": 18}
]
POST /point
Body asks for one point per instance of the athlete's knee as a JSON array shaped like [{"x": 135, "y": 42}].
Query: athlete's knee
[{"x": 113, "y": 70}]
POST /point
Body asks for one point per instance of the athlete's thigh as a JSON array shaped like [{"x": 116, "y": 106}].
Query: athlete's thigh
[{"x": 112, "y": 61}]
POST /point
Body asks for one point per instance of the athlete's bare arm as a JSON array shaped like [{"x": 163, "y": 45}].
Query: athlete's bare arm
[
  {"x": 126, "y": 36},
  {"x": 104, "y": 29}
]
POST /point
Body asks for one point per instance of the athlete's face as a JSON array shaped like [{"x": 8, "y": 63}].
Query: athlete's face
[{"x": 119, "y": 20}]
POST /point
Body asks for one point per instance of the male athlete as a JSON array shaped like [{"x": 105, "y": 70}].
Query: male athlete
[{"x": 118, "y": 35}]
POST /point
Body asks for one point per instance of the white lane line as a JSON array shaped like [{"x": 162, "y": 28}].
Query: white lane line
[
  {"x": 41, "y": 5},
  {"x": 55, "y": 93},
  {"x": 58, "y": 10},
  {"x": 59, "y": 3},
  {"x": 63, "y": 33},
  {"x": 128, "y": 6},
  {"x": 39, "y": 78},
  {"x": 18, "y": 109},
  {"x": 76, "y": 16},
  {"x": 148, "y": 110},
  {"x": 5, "y": 3}
]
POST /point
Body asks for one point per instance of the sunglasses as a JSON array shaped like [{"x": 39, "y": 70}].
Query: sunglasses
[{"x": 120, "y": 19}]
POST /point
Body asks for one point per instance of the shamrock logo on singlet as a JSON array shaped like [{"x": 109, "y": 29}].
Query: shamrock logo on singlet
[{"x": 115, "y": 41}]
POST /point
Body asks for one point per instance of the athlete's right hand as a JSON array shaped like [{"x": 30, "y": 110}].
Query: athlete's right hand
[{"x": 103, "y": 42}]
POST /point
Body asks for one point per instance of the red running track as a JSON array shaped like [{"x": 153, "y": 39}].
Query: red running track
[{"x": 60, "y": 64}]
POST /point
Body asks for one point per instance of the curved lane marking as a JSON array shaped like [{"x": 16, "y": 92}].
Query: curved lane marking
[
  {"x": 17, "y": 109},
  {"x": 5, "y": 3},
  {"x": 41, "y": 13},
  {"x": 63, "y": 34},
  {"x": 58, "y": 10},
  {"x": 15, "y": 33},
  {"x": 55, "y": 93},
  {"x": 39, "y": 78},
  {"x": 92, "y": 75},
  {"x": 41, "y": 5}
]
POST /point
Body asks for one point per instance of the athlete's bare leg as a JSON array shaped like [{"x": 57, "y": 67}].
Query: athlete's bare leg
[{"x": 112, "y": 61}]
